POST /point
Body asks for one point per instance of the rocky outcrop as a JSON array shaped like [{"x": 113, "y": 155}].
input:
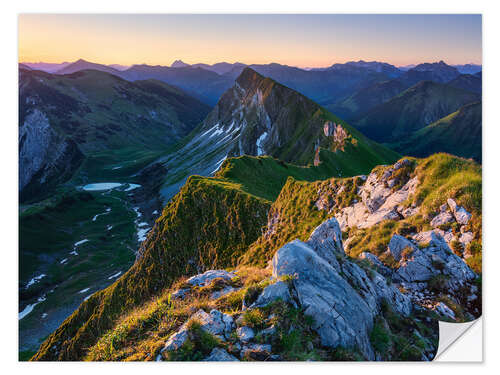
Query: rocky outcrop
[
  {"x": 338, "y": 294},
  {"x": 379, "y": 200},
  {"x": 45, "y": 157}
]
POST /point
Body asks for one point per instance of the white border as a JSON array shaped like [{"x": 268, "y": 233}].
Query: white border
[{"x": 8, "y": 148}]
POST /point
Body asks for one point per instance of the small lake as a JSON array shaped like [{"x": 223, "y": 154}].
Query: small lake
[{"x": 108, "y": 186}]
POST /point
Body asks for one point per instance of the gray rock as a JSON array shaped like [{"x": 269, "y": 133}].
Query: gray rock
[
  {"x": 176, "y": 340},
  {"x": 434, "y": 260},
  {"x": 466, "y": 238},
  {"x": 45, "y": 156},
  {"x": 326, "y": 239},
  {"x": 341, "y": 317},
  {"x": 461, "y": 214},
  {"x": 222, "y": 292},
  {"x": 442, "y": 218},
  {"x": 220, "y": 355},
  {"x": 245, "y": 333},
  {"x": 445, "y": 310},
  {"x": 273, "y": 292},
  {"x": 180, "y": 293},
  {"x": 374, "y": 261},
  {"x": 216, "y": 323},
  {"x": 397, "y": 244},
  {"x": 207, "y": 277},
  {"x": 269, "y": 331}
]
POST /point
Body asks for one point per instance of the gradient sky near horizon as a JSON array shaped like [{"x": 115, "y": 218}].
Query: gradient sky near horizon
[{"x": 298, "y": 40}]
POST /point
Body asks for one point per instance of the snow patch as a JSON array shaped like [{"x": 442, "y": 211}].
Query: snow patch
[
  {"x": 219, "y": 163},
  {"x": 136, "y": 209},
  {"x": 29, "y": 308},
  {"x": 84, "y": 290},
  {"x": 260, "y": 149},
  {"x": 141, "y": 234},
  {"x": 63, "y": 261},
  {"x": 35, "y": 280},
  {"x": 81, "y": 242},
  {"x": 115, "y": 275}
]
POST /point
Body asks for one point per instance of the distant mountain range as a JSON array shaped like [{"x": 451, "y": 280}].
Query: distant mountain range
[{"x": 326, "y": 86}]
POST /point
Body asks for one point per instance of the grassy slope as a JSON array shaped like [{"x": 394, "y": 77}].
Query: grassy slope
[{"x": 459, "y": 133}]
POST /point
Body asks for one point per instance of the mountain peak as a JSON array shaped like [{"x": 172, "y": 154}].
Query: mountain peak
[
  {"x": 248, "y": 76},
  {"x": 179, "y": 64}
]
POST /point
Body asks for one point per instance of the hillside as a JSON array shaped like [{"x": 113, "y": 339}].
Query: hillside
[
  {"x": 64, "y": 119},
  {"x": 259, "y": 116},
  {"x": 459, "y": 133},
  {"x": 413, "y": 109},
  {"x": 214, "y": 221}
]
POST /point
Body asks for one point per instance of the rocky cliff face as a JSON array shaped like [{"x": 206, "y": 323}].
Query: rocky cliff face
[{"x": 45, "y": 157}]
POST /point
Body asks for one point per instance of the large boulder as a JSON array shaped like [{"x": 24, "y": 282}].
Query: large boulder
[
  {"x": 341, "y": 316},
  {"x": 339, "y": 295}
]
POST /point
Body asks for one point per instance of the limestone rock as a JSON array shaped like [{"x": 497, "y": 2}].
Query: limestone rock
[
  {"x": 222, "y": 292},
  {"x": 208, "y": 276},
  {"x": 373, "y": 259},
  {"x": 397, "y": 244},
  {"x": 273, "y": 292},
  {"x": 245, "y": 333},
  {"x": 442, "y": 218},
  {"x": 180, "y": 293},
  {"x": 220, "y": 355},
  {"x": 341, "y": 317},
  {"x": 461, "y": 214}
]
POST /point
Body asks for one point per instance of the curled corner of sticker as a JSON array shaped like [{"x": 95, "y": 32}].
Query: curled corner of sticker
[{"x": 451, "y": 346}]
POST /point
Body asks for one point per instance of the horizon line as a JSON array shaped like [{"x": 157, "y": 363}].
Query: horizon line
[{"x": 248, "y": 64}]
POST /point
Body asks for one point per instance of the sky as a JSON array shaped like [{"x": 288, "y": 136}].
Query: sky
[{"x": 299, "y": 40}]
